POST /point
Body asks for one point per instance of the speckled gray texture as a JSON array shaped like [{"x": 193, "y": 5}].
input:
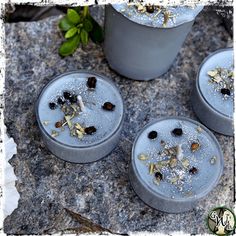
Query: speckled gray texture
[{"x": 99, "y": 192}]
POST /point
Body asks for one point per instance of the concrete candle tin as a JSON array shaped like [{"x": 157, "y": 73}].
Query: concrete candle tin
[
  {"x": 175, "y": 162},
  {"x": 138, "y": 46},
  {"x": 213, "y": 94},
  {"x": 80, "y": 115}
]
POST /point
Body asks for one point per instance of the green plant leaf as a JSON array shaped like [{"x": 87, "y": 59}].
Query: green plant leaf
[
  {"x": 73, "y": 16},
  {"x": 78, "y": 30},
  {"x": 96, "y": 34},
  {"x": 70, "y": 33},
  {"x": 84, "y": 37},
  {"x": 68, "y": 47},
  {"x": 77, "y": 9},
  {"x": 88, "y": 26},
  {"x": 65, "y": 24}
]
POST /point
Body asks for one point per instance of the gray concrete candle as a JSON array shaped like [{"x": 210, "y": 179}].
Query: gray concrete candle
[
  {"x": 213, "y": 93},
  {"x": 175, "y": 162},
  {"x": 80, "y": 116},
  {"x": 142, "y": 44}
]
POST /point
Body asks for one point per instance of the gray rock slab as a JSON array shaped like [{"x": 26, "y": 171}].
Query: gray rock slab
[{"x": 99, "y": 192}]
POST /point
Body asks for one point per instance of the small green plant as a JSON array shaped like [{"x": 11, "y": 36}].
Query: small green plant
[{"x": 78, "y": 27}]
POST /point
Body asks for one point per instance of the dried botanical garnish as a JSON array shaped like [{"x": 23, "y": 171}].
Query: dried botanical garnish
[
  {"x": 213, "y": 160},
  {"x": 223, "y": 79},
  {"x": 143, "y": 157},
  {"x": 185, "y": 163},
  {"x": 199, "y": 129},
  {"x": 61, "y": 101},
  {"x": 163, "y": 143},
  {"x": 155, "y": 10},
  {"x": 167, "y": 16},
  {"x": 58, "y": 124},
  {"x": 91, "y": 82},
  {"x": 90, "y": 130},
  {"x": 108, "y": 106},
  {"x": 159, "y": 176},
  {"x": 52, "y": 105},
  {"x": 67, "y": 95},
  {"x": 195, "y": 146},
  {"x": 225, "y": 91},
  {"x": 173, "y": 162},
  {"x": 177, "y": 132},
  {"x": 193, "y": 170},
  {"x": 151, "y": 168},
  {"x": 68, "y": 121},
  {"x": 54, "y": 133},
  {"x": 73, "y": 98},
  {"x": 152, "y": 135},
  {"x": 45, "y": 122},
  {"x": 150, "y": 8}
]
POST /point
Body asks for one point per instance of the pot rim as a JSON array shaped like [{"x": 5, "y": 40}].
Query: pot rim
[
  {"x": 157, "y": 194},
  {"x": 156, "y": 27},
  {"x": 41, "y": 127}
]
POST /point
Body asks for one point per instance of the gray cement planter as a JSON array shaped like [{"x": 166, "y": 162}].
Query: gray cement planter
[{"x": 139, "y": 51}]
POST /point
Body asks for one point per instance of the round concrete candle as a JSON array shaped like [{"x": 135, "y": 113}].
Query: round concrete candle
[
  {"x": 80, "y": 115},
  {"x": 142, "y": 43},
  {"x": 213, "y": 93},
  {"x": 175, "y": 162}
]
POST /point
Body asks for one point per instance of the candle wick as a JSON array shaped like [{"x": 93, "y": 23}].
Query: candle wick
[{"x": 81, "y": 104}]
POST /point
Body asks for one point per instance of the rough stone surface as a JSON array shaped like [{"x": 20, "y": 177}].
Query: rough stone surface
[{"x": 100, "y": 192}]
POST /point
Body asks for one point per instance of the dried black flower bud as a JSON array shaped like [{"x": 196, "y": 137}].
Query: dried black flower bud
[
  {"x": 150, "y": 9},
  {"x": 177, "y": 132},
  {"x": 61, "y": 101},
  {"x": 67, "y": 95},
  {"x": 158, "y": 176},
  {"x": 52, "y": 105},
  {"x": 73, "y": 98},
  {"x": 225, "y": 91},
  {"x": 193, "y": 170},
  {"x": 152, "y": 135},
  {"x": 91, "y": 82},
  {"x": 90, "y": 130},
  {"x": 108, "y": 106}
]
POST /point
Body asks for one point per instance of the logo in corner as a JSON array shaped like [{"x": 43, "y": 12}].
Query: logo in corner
[{"x": 221, "y": 221}]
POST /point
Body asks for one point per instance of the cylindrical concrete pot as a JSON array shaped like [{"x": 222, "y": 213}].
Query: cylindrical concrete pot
[
  {"x": 208, "y": 104},
  {"x": 200, "y": 169},
  {"x": 138, "y": 51},
  {"x": 108, "y": 123}
]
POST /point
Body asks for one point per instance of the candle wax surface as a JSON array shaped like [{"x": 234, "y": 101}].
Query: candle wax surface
[
  {"x": 105, "y": 122},
  {"x": 180, "y": 15},
  {"x": 188, "y": 185},
  {"x": 215, "y": 99}
]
